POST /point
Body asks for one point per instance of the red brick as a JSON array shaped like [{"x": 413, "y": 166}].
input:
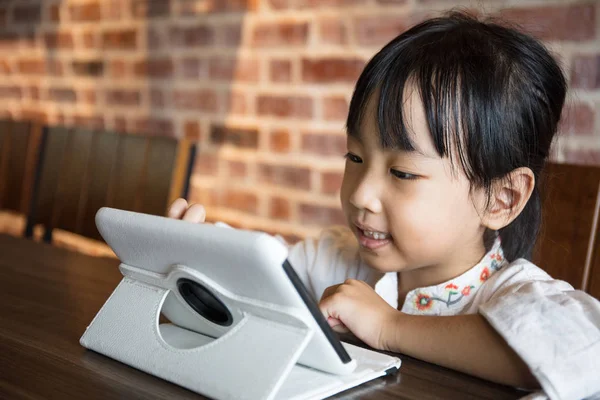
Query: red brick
[
  {"x": 5, "y": 67},
  {"x": 157, "y": 98},
  {"x": 35, "y": 115},
  {"x": 188, "y": 8},
  {"x": 54, "y": 13},
  {"x": 285, "y": 106},
  {"x": 31, "y": 66},
  {"x": 121, "y": 97},
  {"x": 113, "y": 9},
  {"x": 199, "y": 99},
  {"x": 195, "y": 36},
  {"x": 58, "y": 40},
  {"x": 238, "y": 137},
  {"x": 89, "y": 40},
  {"x": 329, "y": 70},
  {"x": 154, "y": 68},
  {"x": 584, "y": 156},
  {"x": 333, "y": 31},
  {"x": 280, "y": 71},
  {"x": 150, "y": 8},
  {"x": 10, "y": 92},
  {"x": 155, "y": 38},
  {"x": 335, "y": 108},
  {"x": 235, "y": 5},
  {"x": 30, "y": 14},
  {"x": 236, "y": 103},
  {"x": 191, "y": 130},
  {"x": 88, "y": 96},
  {"x": 237, "y": 169},
  {"x": 585, "y": 73},
  {"x": 34, "y": 93},
  {"x": 207, "y": 164},
  {"x": 85, "y": 12},
  {"x": 578, "y": 119},
  {"x": 240, "y": 200},
  {"x": 331, "y": 182},
  {"x": 282, "y": 34},
  {"x": 94, "y": 68},
  {"x": 193, "y": 68},
  {"x": 318, "y": 215},
  {"x": 378, "y": 30},
  {"x": 120, "y": 39},
  {"x": 120, "y": 124},
  {"x": 324, "y": 143},
  {"x": 118, "y": 69},
  {"x": 89, "y": 121},
  {"x": 280, "y": 141},
  {"x": 297, "y": 178},
  {"x": 155, "y": 126},
  {"x": 231, "y": 35},
  {"x": 282, "y": 4},
  {"x": 63, "y": 95},
  {"x": 569, "y": 22},
  {"x": 234, "y": 69},
  {"x": 280, "y": 208}
]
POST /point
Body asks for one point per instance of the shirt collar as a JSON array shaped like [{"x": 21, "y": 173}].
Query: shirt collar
[{"x": 456, "y": 293}]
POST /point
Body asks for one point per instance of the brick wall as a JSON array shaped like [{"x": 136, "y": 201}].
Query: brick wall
[{"x": 262, "y": 85}]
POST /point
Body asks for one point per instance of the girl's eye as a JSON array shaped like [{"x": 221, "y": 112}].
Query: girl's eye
[
  {"x": 354, "y": 158},
  {"x": 403, "y": 175}
]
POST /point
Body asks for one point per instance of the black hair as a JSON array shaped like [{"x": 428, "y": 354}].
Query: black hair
[{"x": 492, "y": 95}]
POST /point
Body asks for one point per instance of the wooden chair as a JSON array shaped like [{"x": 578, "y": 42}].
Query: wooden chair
[
  {"x": 568, "y": 247},
  {"x": 19, "y": 141},
  {"x": 80, "y": 171}
]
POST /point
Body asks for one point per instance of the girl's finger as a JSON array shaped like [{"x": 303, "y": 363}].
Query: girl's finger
[
  {"x": 177, "y": 208},
  {"x": 195, "y": 213}
]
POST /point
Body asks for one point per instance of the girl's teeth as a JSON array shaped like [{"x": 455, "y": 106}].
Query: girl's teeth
[{"x": 376, "y": 235}]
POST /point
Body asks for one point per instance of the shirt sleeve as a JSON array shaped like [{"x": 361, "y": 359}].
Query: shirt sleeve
[
  {"x": 330, "y": 260},
  {"x": 554, "y": 329}
]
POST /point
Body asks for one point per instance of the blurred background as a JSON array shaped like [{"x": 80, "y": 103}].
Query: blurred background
[{"x": 260, "y": 86}]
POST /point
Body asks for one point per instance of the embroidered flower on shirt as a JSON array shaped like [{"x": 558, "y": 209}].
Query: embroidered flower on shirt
[
  {"x": 467, "y": 290},
  {"x": 423, "y": 302},
  {"x": 485, "y": 274}
]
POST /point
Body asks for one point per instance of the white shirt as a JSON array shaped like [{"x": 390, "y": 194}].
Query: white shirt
[{"x": 552, "y": 327}]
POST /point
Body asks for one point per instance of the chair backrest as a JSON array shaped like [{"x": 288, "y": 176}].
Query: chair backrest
[
  {"x": 568, "y": 247},
  {"x": 19, "y": 141},
  {"x": 80, "y": 171}
]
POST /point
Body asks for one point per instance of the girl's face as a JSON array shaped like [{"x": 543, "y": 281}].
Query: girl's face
[{"x": 410, "y": 210}]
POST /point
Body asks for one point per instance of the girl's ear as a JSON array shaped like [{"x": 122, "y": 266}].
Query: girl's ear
[{"x": 509, "y": 196}]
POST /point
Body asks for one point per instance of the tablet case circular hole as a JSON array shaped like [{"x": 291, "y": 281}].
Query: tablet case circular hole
[{"x": 204, "y": 302}]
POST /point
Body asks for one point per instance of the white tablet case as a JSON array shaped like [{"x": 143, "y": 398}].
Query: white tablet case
[{"x": 256, "y": 359}]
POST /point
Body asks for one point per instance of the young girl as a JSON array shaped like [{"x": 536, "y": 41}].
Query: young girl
[{"x": 449, "y": 128}]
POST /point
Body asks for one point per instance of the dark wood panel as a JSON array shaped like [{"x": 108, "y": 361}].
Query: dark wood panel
[
  {"x": 129, "y": 170},
  {"x": 4, "y": 156},
  {"x": 73, "y": 181},
  {"x": 569, "y": 199},
  {"x": 158, "y": 176},
  {"x": 102, "y": 162},
  {"x": 15, "y": 175},
  {"x": 52, "y": 161},
  {"x": 594, "y": 275},
  {"x": 49, "y": 297}
]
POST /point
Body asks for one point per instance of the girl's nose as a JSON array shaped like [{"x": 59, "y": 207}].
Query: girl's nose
[{"x": 366, "y": 196}]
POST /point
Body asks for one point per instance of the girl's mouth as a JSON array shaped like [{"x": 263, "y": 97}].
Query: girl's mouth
[{"x": 373, "y": 240}]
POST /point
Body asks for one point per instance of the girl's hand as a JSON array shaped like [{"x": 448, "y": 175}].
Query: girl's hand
[
  {"x": 192, "y": 212},
  {"x": 355, "y": 306}
]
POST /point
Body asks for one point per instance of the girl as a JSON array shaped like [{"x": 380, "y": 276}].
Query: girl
[{"x": 449, "y": 128}]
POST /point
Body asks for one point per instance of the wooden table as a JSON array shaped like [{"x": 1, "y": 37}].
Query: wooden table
[{"x": 49, "y": 295}]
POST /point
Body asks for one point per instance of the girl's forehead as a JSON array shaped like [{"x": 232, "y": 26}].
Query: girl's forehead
[{"x": 413, "y": 112}]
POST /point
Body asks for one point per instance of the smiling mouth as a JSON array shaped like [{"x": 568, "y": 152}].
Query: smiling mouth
[{"x": 373, "y": 240}]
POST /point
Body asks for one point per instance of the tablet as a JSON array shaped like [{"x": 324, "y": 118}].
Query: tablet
[{"x": 250, "y": 264}]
